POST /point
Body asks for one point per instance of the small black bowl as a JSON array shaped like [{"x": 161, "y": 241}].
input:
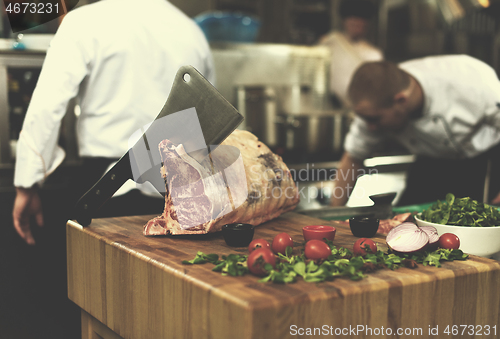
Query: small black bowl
[
  {"x": 238, "y": 235},
  {"x": 363, "y": 227}
]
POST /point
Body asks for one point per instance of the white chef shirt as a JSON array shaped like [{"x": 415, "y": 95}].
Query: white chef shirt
[
  {"x": 461, "y": 114},
  {"x": 120, "y": 57},
  {"x": 346, "y": 56}
]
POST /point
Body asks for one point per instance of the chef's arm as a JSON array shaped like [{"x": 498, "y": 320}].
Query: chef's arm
[
  {"x": 346, "y": 177},
  {"x": 38, "y": 153},
  {"x": 64, "y": 68}
]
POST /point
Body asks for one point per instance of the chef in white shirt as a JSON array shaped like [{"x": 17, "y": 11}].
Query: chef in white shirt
[
  {"x": 120, "y": 58},
  {"x": 443, "y": 109},
  {"x": 349, "y": 47}
]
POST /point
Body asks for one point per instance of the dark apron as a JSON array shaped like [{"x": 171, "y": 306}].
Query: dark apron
[{"x": 430, "y": 179}]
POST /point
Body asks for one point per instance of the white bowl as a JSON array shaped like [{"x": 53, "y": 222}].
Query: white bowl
[{"x": 481, "y": 241}]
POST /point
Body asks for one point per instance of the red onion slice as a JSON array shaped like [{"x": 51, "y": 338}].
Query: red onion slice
[
  {"x": 407, "y": 238},
  {"x": 433, "y": 235},
  {"x": 405, "y": 225}
]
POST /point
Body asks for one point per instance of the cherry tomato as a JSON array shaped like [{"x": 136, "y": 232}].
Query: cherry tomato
[
  {"x": 449, "y": 241},
  {"x": 281, "y": 242},
  {"x": 258, "y": 259},
  {"x": 317, "y": 249},
  {"x": 258, "y": 243},
  {"x": 360, "y": 245}
]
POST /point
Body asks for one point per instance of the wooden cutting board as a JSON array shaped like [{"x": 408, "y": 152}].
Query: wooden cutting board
[{"x": 138, "y": 287}]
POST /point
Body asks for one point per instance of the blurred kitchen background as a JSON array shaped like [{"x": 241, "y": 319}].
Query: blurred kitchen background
[{"x": 269, "y": 66}]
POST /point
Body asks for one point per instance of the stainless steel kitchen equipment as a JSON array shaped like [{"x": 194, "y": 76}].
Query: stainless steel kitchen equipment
[
  {"x": 276, "y": 65},
  {"x": 307, "y": 124},
  {"x": 259, "y": 106},
  {"x": 319, "y": 133},
  {"x": 281, "y": 90},
  {"x": 287, "y": 119}
]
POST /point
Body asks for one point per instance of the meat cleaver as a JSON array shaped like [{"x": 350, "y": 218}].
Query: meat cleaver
[{"x": 195, "y": 114}]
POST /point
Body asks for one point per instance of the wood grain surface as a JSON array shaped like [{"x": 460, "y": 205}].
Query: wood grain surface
[{"x": 138, "y": 287}]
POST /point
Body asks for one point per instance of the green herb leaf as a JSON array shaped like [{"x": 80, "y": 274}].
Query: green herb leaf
[
  {"x": 311, "y": 267},
  {"x": 339, "y": 263},
  {"x": 300, "y": 268},
  {"x": 202, "y": 258}
]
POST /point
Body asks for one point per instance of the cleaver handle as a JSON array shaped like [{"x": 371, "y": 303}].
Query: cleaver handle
[{"x": 102, "y": 191}]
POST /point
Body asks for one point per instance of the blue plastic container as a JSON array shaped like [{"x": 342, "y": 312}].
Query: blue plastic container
[{"x": 227, "y": 26}]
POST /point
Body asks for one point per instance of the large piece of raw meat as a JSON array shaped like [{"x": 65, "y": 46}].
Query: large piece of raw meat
[{"x": 202, "y": 197}]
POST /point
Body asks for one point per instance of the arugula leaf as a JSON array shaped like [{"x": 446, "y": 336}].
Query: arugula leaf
[
  {"x": 288, "y": 255},
  {"x": 233, "y": 265},
  {"x": 202, "y": 258},
  {"x": 434, "y": 258},
  {"x": 462, "y": 212},
  {"x": 280, "y": 277},
  {"x": 300, "y": 268},
  {"x": 311, "y": 267}
]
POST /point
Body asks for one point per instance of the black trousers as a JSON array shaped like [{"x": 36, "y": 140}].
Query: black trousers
[
  {"x": 33, "y": 279},
  {"x": 430, "y": 179}
]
